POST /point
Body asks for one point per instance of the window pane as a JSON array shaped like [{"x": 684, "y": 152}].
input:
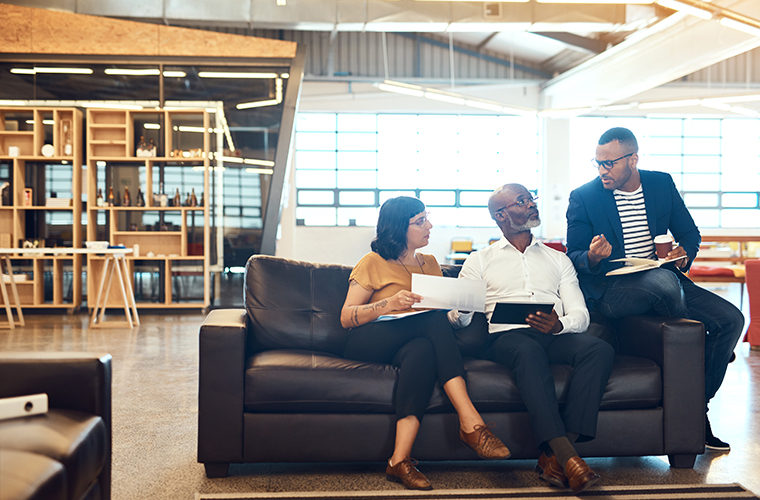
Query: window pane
[
  {"x": 357, "y": 141},
  {"x": 706, "y": 218},
  {"x": 474, "y": 198},
  {"x": 700, "y": 127},
  {"x": 701, "y": 182},
  {"x": 316, "y": 197},
  {"x": 316, "y": 216},
  {"x": 701, "y": 200},
  {"x": 738, "y": 218},
  {"x": 662, "y": 163},
  {"x": 357, "y": 123},
  {"x": 362, "y": 216},
  {"x": 316, "y": 122},
  {"x": 430, "y": 198},
  {"x": 354, "y": 160},
  {"x": 741, "y": 200},
  {"x": 315, "y": 159},
  {"x": 701, "y": 146},
  {"x": 357, "y": 179},
  {"x": 664, "y": 127},
  {"x": 664, "y": 145},
  {"x": 387, "y": 195},
  {"x": 315, "y": 179},
  {"x": 357, "y": 198},
  {"x": 315, "y": 141},
  {"x": 706, "y": 164}
]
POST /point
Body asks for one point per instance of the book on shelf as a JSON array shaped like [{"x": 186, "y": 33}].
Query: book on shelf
[
  {"x": 58, "y": 202},
  {"x": 636, "y": 265}
]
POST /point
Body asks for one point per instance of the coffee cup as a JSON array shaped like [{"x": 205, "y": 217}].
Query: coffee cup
[{"x": 663, "y": 245}]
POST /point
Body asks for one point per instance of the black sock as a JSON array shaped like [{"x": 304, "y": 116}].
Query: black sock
[{"x": 563, "y": 449}]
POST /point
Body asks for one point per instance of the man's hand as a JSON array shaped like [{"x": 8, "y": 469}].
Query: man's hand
[
  {"x": 545, "y": 323},
  {"x": 599, "y": 249},
  {"x": 678, "y": 252}
]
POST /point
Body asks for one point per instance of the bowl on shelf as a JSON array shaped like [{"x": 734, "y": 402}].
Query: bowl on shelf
[{"x": 97, "y": 244}]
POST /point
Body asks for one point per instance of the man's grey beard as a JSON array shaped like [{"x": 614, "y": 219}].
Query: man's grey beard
[{"x": 523, "y": 227}]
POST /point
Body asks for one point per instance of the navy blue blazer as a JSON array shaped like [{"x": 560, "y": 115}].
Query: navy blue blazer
[{"x": 592, "y": 211}]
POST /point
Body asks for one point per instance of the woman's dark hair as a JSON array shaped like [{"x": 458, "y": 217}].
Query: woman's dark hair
[{"x": 392, "y": 225}]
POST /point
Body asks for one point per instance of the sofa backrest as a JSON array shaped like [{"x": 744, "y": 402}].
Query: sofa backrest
[{"x": 296, "y": 305}]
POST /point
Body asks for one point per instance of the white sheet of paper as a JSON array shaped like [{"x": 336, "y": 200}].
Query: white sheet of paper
[{"x": 450, "y": 293}]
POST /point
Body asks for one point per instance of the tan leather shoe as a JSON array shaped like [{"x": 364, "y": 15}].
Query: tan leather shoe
[
  {"x": 550, "y": 471},
  {"x": 485, "y": 444},
  {"x": 407, "y": 474},
  {"x": 579, "y": 475}
]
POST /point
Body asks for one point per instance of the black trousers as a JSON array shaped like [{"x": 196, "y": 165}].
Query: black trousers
[
  {"x": 528, "y": 354},
  {"x": 422, "y": 347}
]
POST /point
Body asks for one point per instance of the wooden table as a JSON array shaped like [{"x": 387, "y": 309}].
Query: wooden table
[{"x": 115, "y": 259}]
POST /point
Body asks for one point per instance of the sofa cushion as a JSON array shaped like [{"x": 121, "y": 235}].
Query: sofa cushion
[
  {"x": 76, "y": 439},
  {"x": 29, "y": 476},
  {"x": 300, "y": 381},
  {"x": 295, "y": 305}
]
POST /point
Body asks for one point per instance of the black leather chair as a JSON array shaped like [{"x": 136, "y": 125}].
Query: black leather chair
[
  {"x": 274, "y": 388},
  {"x": 65, "y": 453}
]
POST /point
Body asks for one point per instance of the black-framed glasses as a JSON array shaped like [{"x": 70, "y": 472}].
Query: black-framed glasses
[
  {"x": 608, "y": 164},
  {"x": 520, "y": 203},
  {"x": 422, "y": 220}
]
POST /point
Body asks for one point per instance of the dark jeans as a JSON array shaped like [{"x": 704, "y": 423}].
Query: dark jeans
[
  {"x": 422, "y": 347},
  {"x": 669, "y": 293},
  {"x": 528, "y": 354}
]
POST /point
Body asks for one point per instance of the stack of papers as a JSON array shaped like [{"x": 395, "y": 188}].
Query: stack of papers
[{"x": 58, "y": 202}]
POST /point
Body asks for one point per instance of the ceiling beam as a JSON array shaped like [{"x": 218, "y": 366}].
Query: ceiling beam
[
  {"x": 585, "y": 44},
  {"x": 675, "y": 47}
]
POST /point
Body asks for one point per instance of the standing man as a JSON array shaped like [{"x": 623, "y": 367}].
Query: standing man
[
  {"x": 520, "y": 268},
  {"x": 618, "y": 215}
]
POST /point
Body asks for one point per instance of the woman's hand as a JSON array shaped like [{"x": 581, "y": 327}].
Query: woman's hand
[
  {"x": 403, "y": 300},
  {"x": 545, "y": 323}
]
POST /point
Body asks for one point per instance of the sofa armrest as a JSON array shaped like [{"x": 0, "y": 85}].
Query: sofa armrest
[
  {"x": 72, "y": 380},
  {"x": 222, "y": 352},
  {"x": 678, "y": 346}
]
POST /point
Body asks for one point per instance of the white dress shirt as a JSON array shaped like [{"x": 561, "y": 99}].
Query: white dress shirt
[{"x": 540, "y": 274}]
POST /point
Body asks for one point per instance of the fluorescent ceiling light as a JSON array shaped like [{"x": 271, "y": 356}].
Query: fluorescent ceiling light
[
  {"x": 258, "y": 104},
  {"x": 486, "y": 27},
  {"x": 267, "y": 171},
  {"x": 231, "y": 159},
  {"x": 406, "y": 27},
  {"x": 263, "y": 163},
  {"x": 187, "y": 128},
  {"x": 112, "y": 105},
  {"x": 11, "y": 103},
  {"x": 285, "y": 76},
  {"x": 44, "y": 122},
  {"x": 143, "y": 72},
  {"x": 66, "y": 71},
  {"x": 499, "y": 1},
  {"x": 152, "y": 126},
  {"x": 224, "y": 74},
  {"x": 746, "y": 28},
  {"x": 744, "y": 111},
  {"x": 489, "y": 106},
  {"x": 708, "y": 103},
  {"x": 517, "y": 111},
  {"x": 642, "y": 2},
  {"x": 175, "y": 74},
  {"x": 669, "y": 104},
  {"x": 451, "y": 99},
  {"x": 688, "y": 9},
  {"x": 411, "y": 90},
  {"x": 617, "y": 107}
]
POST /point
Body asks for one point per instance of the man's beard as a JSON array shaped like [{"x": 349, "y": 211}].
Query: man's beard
[{"x": 523, "y": 227}]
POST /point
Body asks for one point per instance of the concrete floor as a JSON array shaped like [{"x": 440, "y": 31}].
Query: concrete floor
[{"x": 155, "y": 421}]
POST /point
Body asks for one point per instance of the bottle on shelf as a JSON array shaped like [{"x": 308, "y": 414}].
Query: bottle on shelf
[
  {"x": 140, "y": 202},
  {"x": 163, "y": 200},
  {"x": 127, "y": 198},
  {"x": 152, "y": 148},
  {"x": 177, "y": 199},
  {"x": 110, "y": 196},
  {"x": 142, "y": 148},
  {"x": 117, "y": 200},
  {"x": 99, "y": 200},
  {"x": 200, "y": 202},
  {"x": 193, "y": 199}
]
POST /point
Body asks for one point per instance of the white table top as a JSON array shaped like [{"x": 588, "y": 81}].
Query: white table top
[{"x": 64, "y": 251}]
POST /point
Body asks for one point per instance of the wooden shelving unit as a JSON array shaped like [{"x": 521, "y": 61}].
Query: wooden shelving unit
[
  {"x": 168, "y": 249},
  {"x": 31, "y": 140}
]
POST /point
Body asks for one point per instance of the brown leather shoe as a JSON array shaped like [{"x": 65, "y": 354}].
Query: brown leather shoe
[
  {"x": 485, "y": 444},
  {"x": 550, "y": 471},
  {"x": 408, "y": 475},
  {"x": 579, "y": 475}
]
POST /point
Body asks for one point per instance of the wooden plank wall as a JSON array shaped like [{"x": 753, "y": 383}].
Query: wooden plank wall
[{"x": 38, "y": 31}]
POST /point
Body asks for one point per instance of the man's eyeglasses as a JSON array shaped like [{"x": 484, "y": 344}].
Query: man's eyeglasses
[
  {"x": 520, "y": 203},
  {"x": 422, "y": 220},
  {"x": 608, "y": 164}
]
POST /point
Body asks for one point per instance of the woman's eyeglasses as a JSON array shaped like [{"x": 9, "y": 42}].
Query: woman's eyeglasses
[{"x": 422, "y": 220}]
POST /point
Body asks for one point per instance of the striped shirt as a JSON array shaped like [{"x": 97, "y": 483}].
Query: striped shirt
[{"x": 633, "y": 216}]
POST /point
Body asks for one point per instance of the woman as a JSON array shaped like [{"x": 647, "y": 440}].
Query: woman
[{"x": 422, "y": 346}]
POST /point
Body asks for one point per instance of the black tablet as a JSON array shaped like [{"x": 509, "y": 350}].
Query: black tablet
[{"x": 514, "y": 313}]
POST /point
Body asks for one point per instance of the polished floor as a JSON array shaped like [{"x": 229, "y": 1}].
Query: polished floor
[{"x": 155, "y": 415}]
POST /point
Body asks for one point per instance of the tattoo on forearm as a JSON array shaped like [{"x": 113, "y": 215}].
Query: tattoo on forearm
[{"x": 355, "y": 317}]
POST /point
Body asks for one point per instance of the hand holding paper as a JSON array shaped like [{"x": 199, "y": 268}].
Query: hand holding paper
[{"x": 449, "y": 293}]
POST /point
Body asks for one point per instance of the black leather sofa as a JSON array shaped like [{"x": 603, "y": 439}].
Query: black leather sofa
[
  {"x": 64, "y": 454},
  {"x": 274, "y": 388}
]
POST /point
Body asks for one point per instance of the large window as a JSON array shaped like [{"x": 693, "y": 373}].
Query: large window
[
  {"x": 347, "y": 165},
  {"x": 715, "y": 163}
]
